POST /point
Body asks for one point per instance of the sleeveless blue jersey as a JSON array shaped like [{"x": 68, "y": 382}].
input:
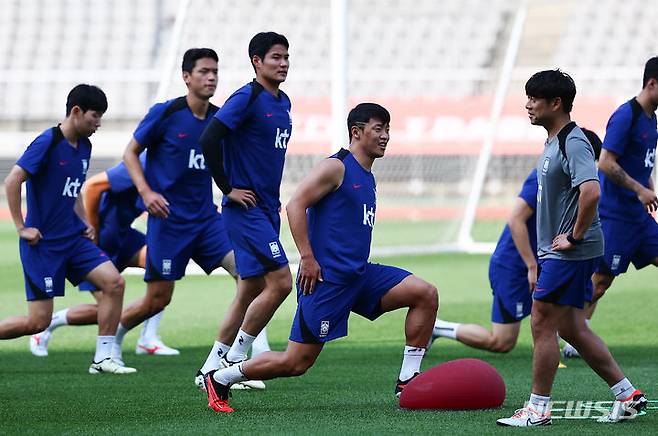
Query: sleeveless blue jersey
[
  {"x": 119, "y": 207},
  {"x": 635, "y": 144},
  {"x": 57, "y": 171},
  {"x": 175, "y": 166},
  {"x": 340, "y": 224},
  {"x": 506, "y": 252},
  {"x": 255, "y": 149}
]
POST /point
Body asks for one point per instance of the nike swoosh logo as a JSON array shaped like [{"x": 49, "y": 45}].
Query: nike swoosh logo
[{"x": 149, "y": 350}]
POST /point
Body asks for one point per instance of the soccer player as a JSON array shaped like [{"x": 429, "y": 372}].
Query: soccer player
[
  {"x": 245, "y": 147},
  {"x": 570, "y": 243},
  {"x": 331, "y": 218},
  {"x": 628, "y": 195},
  {"x": 55, "y": 239},
  {"x": 176, "y": 190},
  {"x": 512, "y": 274},
  {"x": 110, "y": 200}
]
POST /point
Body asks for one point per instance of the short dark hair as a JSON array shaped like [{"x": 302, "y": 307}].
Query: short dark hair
[
  {"x": 364, "y": 112},
  {"x": 594, "y": 140},
  {"x": 194, "y": 54},
  {"x": 552, "y": 84},
  {"x": 650, "y": 70},
  {"x": 86, "y": 97},
  {"x": 262, "y": 42}
]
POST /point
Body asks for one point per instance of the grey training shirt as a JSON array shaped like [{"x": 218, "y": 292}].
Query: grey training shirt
[{"x": 558, "y": 193}]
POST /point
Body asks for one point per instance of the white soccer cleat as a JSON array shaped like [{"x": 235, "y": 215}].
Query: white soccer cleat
[
  {"x": 569, "y": 352},
  {"x": 155, "y": 347},
  {"x": 39, "y": 343},
  {"x": 626, "y": 409},
  {"x": 110, "y": 366},
  {"x": 526, "y": 417}
]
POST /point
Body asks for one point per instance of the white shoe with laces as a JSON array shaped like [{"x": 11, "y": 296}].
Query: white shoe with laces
[
  {"x": 569, "y": 352},
  {"x": 155, "y": 347},
  {"x": 627, "y": 409},
  {"x": 246, "y": 384},
  {"x": 110, "y": 366},
  {"x": 39, "y": 343},
  {"x": 526, "y": 417}
]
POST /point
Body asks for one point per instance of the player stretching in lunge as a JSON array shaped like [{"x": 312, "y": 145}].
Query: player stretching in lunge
[
  {"x": 55, "y": 240},
  {"x": 245, "y": 148},
  {"x": 570, "y": 243},
  {"x": 110, "y": 200},
  {"x": 512, "y": 274},
  {"x": 335, "y": 277}
]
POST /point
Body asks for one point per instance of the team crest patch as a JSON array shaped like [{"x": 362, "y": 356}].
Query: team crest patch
[
  {"x": 544, "y": 168},
  {"x": 85, "y": 166},
  {"x": 324, "y": 328},
  {"x": 615, "y": 262},
  {"x": 48, "y": 281},
  {"x": 166, "y": 266},
  {"x": 274, "y": 248}
]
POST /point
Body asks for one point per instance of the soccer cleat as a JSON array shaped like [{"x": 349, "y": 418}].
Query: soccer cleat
[
  {"x": 218, "y": 394},
  {"x": 245, "y": 384},
  {"x": 626, "y": 409},
  {"x": 526, "y": 417},
  {"x": 400, "y": 385},
  {"x": 39, "y": 343},
  {"x": 198, "y": 381},
  {"x": 155, "y": 347},
  {"x": 569, "y": 352},
  {"x": 109, "y": 366}
]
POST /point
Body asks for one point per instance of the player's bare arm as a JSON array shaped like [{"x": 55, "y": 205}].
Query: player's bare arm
[
  {"x": 326, "y": 177},
  {"x": 520, "y": 214},
  {"x": 154, "y": 202},
  {"x": 13, "y": 183},
  {"x": 611, "y": 168},
  {"x": 590, "y": 192},
  {"x": 91, "y": 197},
  {"x": 79, "y": 209}
]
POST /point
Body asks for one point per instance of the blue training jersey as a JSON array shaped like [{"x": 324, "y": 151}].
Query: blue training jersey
[
  {"x": 255, "y": 149},
  {"x": 635, "y": 144},
  {"x": 340, "y": 224},
  {"x": 119, "y": 207},
  {"x": 175, "y": 166},
  {"x": 506, "y": 252},
  {"x": 57, "y": 171}
]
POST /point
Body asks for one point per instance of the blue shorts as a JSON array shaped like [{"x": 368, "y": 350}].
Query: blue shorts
[
  {"x": 322, "y": 316},
  {"x": 565, "y": 282},
  {"x": 171, "y": 245},
  {"x": 130, "y": 244},
  {"x": 627, "y": 242},
  {"x": 48, "y": 263},
  {"x": 512, "y": 299},
  {"x": 254, "y": 234}
]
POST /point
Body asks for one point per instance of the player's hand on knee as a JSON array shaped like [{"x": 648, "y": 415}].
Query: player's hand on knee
[
  {"x": 244, "y": 197},
  {"x": 156, "y": 204},
  {"x": 31, "y": 234},
  {"x": 309, "y": 274}
]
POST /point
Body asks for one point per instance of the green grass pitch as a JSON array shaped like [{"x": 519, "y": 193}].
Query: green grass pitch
[{"x": 348, "y": 391}]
